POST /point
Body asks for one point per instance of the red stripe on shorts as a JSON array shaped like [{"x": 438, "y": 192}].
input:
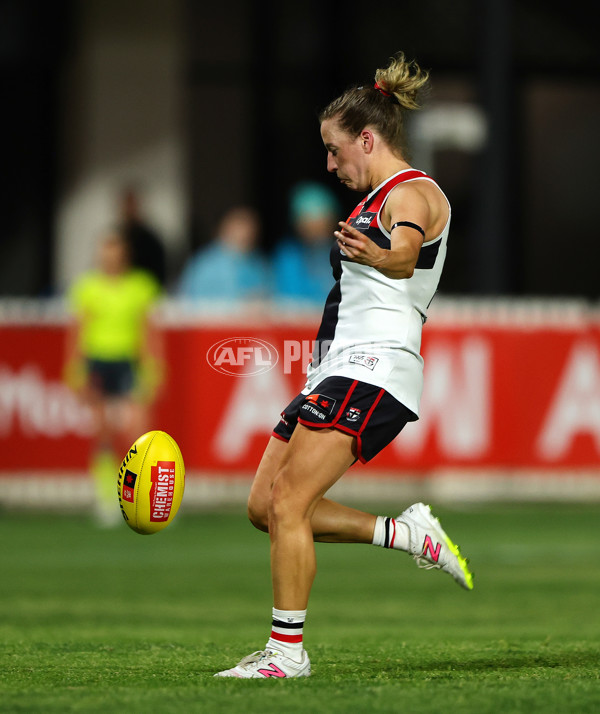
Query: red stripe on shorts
[
  {"x": 371, "y": 410},
  {"x": 281, "y": 438}
]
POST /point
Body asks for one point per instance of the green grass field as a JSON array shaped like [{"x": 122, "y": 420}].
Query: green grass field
[{"x": 109, "y": 621}]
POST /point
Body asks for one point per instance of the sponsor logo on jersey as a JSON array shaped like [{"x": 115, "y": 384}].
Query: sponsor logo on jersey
[
  {"x": 128, "y": 490},
  {"x": 353, "y": 414},
  {"x": 162, "y": 477},
  {"x": 363, "y": 221},
  {"x": 367, "y": 361}
]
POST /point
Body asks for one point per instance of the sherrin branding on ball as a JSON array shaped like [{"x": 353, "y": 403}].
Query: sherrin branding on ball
[{"x": 151, "y": 482}]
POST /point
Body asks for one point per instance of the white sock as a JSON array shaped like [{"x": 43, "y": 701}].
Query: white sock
[
  {"x": 287, "y": 632},
  {"x": 389, "y": 533}
]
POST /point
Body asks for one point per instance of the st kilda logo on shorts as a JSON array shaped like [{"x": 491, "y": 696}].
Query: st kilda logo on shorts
[
  {"x": 353, "y": 414},
  {"x": 242, "y": 356}
]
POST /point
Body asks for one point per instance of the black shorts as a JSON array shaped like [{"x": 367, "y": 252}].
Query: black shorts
[
  {"x": 113, "y": 379},
  {"x": 357, "y": 408}
]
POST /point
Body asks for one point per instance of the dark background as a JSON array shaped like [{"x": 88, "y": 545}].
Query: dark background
[{"x": 255, "y": 76}]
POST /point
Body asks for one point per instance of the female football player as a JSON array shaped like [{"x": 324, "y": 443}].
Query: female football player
[{"x": 365, "y": 379}]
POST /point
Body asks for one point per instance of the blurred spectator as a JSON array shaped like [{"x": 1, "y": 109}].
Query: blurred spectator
[
  {"x": 301, "y": 260},
  {"x": 146, "y": 247},
  {"x": 231, "y": 266},
  {"x": 114, "y": 360}
]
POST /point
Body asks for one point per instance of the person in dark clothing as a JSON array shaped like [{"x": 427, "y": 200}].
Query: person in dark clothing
[{"x": 146, "y": 247}]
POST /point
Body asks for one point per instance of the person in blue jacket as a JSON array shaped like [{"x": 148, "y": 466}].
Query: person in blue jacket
[
  {"x": 231, "y": 268},
  {"x": 301, "y": 268}
]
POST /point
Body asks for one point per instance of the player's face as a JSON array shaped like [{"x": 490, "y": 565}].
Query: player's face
[
  {"x": 113, "y": 255},
  {"x": 345, "y": 155}
]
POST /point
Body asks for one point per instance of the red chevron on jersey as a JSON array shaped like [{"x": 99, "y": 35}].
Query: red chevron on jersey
[{"x": 374, "y": 203}]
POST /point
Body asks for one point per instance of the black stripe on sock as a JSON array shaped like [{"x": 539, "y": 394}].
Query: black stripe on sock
[
  {"x": 386, "y": 543},
  {"x": 287, "y": 625}
]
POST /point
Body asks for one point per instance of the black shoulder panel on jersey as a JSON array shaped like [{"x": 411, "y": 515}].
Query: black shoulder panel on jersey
[
  {"x": 329, "y": 320},
  {"x": 427, "y": 255}
]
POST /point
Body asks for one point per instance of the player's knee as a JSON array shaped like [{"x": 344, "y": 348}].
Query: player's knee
[
  {"x": 285, "y": 504},
  {"x": 258, "y": 513}
]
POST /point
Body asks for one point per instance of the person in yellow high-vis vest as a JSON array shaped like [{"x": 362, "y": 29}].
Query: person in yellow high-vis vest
[{"x": 114, "y": 359}]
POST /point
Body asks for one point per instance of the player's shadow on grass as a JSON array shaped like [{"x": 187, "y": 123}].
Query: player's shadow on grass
[{"x": 503, "y": 661}]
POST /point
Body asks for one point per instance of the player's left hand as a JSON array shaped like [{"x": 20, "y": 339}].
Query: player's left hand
[
  {"x": 75, "y": 374},
  {"x": 358, "y": 247}
]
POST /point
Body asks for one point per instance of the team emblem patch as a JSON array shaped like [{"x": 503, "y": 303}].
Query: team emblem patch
[{"x": 353, "y": 414}]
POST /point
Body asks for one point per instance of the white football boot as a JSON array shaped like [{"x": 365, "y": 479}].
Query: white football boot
[
  {"x": 267, "y": 663},
  {"x": 431, "y": 547}
]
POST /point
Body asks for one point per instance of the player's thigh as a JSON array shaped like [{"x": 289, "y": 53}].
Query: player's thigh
[
  {"x": 260, "y": 492},
  {"x": 313, "y": 462}
]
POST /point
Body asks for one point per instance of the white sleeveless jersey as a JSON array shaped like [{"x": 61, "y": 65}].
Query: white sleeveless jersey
[{"x": 371, "y": 325}]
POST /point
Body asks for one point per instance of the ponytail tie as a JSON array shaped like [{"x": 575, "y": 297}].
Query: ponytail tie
[
  {"x": 391, "y": 97},
  {"x": 382, "y": 90}
]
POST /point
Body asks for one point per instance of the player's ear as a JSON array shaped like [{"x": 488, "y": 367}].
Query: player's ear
[{"x": 367, "y": 140}]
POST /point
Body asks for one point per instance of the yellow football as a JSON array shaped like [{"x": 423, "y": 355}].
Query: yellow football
[{"x": 151, "y": 482}]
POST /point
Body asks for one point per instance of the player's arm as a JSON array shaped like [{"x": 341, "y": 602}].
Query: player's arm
[
  {"x": 74, "y": 369},
  {"x": 405, "y": 204},
  {"x": 152, "y": 363}
]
